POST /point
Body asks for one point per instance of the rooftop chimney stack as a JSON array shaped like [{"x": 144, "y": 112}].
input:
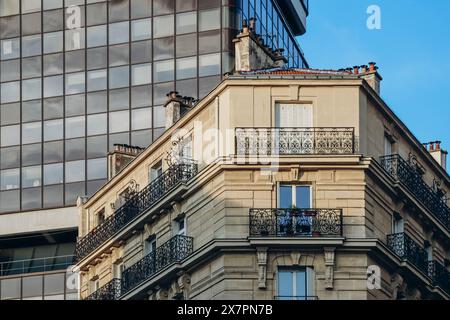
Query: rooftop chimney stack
[
  {"x": 176, "y": 107},
  {"x": 440, "y": 155},
  {"x": 252, "y": 53},
  {"x": 371, "y": 75},
  {"x": 121, "y": 156}
]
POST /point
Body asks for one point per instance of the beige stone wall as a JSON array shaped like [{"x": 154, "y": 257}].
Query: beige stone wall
[{"x": 217, "y": 206}]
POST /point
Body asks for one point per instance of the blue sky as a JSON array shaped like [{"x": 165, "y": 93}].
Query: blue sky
[{"x": 412, "y": 50}]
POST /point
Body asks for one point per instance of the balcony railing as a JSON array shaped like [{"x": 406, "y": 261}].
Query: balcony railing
[
  {"x": 9, "y": 268},
  {"x": 295, "y": 222},
  {"x": 405, "y": 173},
  {"x": 110, "y": 291},
  {"x": 440, "y": 275},
  {"x": 135, "y": 206},
  {"x": 173, "y": 251},
  {"x": 295, "y": 141},
  {"x": 408, "y": 250}
]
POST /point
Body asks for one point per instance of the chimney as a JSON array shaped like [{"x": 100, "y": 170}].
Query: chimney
[
  {"x": 440, "y": 155},
  {"x": 176, "y": 107},
  {"x": 119, "y": 158},
  {"x": 251, "y": 52},
  {"x": 371, "y": 75}
]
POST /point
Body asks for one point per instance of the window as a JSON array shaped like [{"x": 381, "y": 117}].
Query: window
[
  {"x": 94, "y": 285},
  {"x": 294, "y": 115},
  {"x": 141, "y": 74},
  {"x": 150, "y": 245},
  {"x": 398, "y": 224},
  {"x": 101, "y": 216},
  {"x": 155, "y": 171},
  {"x": 163, "y": 26},
  {"x": 180, "y": 226},
  {"x": 186, "y": 22},
  {"x": 295, "y": 284},
  {"x": 429, "y": 250},
  {"x": 294, "y": 196},
  {"x": 141, "y": 29},
  {"x": 387, "y": 146},
  {"x": 118, "y": 32},
  {"x": 209, "y": 64}
]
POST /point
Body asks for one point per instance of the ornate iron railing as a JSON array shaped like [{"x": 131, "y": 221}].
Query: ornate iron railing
[
  {"x": 440, "y": 275},
  {"x": 406, "y": 173},
  {"x": 295, "y": 222},
  {"x": 135, "y": 206},
  {"x": 175, "y": 250},
  {"x": 110, "y": 291},
  {"x": 13, "y": 267},
  {"x": 408, "y": 250},
  {"x": 295, "y": 141}
]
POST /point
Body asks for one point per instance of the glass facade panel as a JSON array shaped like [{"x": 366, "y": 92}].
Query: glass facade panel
[{"x": 71, "y": 88}]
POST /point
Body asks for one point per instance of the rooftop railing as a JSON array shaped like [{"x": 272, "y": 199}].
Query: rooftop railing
[
  {"x": 295, "y": 222},
  {"x": 408, "y": 250},
  {"x": 405, "y": 173},
  {"x": 47, "y": 264},
  {"x": 295, "y": 141},
  {"x": 135, "y": 206}
]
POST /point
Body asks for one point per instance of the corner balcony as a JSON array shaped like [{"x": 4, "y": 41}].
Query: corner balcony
[
  {"x": 295, "y": 223},
  {"x": 110, "y": 291},
  {"x": 406, "y": 174},
  {"x": 439, "y": 275},
  {"x": 140, "y": 203},
  {"x": 295, "y": 141},
  {"x": 409, "y": 251},
  {"x": 173, "y": 251}
]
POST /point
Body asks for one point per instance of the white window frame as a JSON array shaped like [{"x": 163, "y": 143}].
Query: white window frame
[
  {"x": 307, "y": 123},
  {"x": 149, "y": 245},
  {"x": 398, "y": 224},
  {"x": 183, "y": 231},
  {"x": 294, "y": 194},
  {"x": 309, "y": 281},
  {"x": 388, "y": 146},
  {"x": 155, "y": 171}
]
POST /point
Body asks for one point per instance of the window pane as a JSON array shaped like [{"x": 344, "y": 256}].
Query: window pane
[
  {"x": 97, "y": 169},
  {"x": 10, "y": 49},
  {"x": 31, "y": 89},
  {"x": 303, "y": 197},
  {"x": 209, "y": 64},
  {"x": 119, "y": 121},
  {"x": 141, "y": 74},
  {"x": 53, "y": 86},
  {"x": 31, "y": 177},
  {"x": 300, "y": 284},
  {"x": 141, "y": 29},
  {"x": 141, "y": 119},
  {"x": 75, "y": 83},
  {"x": 286, "y": 197},
  {"x": 75, "y": 171},
  {"x": 97, "y": 124},
  {"x": 285, "y": 281},
  {"x": 53, "y": 174},
  {"x": 10, "y": 92},
  {"x": 10, "y": 136},
  {"x": 163, "y": 26},
  {"x": 209, "y": 19},
  {"x": 75, "y": 127},
  {"x": 119, "y": 77},
  {"x": 186, "y": 22},
  {"x": 96, "y": 36},
  {"x": 53, "y": 130},
  {"x": 9, "y": 179},
  {"x": 118, "y": 32},
  {"x": 53, "y": 42},
  {"x": 32, "y": 287},
  {"x": 164, "y": 71},
  {"x": 96, "y": 80},
  {"x": 187, "y": 68},
  {"x": 31, "y": 132}
]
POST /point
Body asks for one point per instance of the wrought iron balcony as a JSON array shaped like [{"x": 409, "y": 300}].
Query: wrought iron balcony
[
  {"x": 295, "y": 222},
  {"x": 295, "y": 141},
  {"x": 440, "y": 275},
  {"x": 408, "y": 250},
  {"x": 9, "y": 268},
  {"x": 110, "y": 291},
  {"x": 408, "y": 175},
  {"x": 139, "y": 203},
  {"x": 175, "y": 250}
]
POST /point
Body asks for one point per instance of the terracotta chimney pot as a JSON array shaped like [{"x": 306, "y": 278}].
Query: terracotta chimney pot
[
  {"x": 356, "y": 69},
  {"x": 431, "y": 146},
  {"x": 372, "y": 66}
]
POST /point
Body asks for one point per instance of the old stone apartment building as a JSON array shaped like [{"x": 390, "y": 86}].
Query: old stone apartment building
[{"x": 281, "y": 183}]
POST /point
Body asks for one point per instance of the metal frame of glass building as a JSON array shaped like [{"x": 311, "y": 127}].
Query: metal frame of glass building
[{"x": 78, "y": 76}]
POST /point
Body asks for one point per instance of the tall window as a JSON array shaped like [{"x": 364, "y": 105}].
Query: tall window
[
  {"x": 294, "y": 196},
  {"x": 387, "y": 146},
  {"x": 295, "y": 284},
  {"x": 149, "y": 245},
  {"x": 294, "y": 115},
  {"x": 398, "y": 225},
  {"x": 180, "y": 226},
  {"x": 101, "y": 217},
  {"x": 155, "y": 171}
]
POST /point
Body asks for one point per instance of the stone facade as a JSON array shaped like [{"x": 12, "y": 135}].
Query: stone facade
[{"x": 227, "y": 261}]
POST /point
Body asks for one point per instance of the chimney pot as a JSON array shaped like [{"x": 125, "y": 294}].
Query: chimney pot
[
  {"x": 438, "y": 145},
  {"x": 252, "y": 24},
  {"x": 363, "y": 68},
  {"x": 356, "y": 70},
  {"x": 372, "y": 66},
  {"x": 431, "y": 146}
]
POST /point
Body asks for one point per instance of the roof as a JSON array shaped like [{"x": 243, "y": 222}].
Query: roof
[{"x": 295, "y": 71}]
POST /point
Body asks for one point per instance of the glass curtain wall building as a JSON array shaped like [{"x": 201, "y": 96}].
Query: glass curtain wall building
[{"x": 78, "y": 76}]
